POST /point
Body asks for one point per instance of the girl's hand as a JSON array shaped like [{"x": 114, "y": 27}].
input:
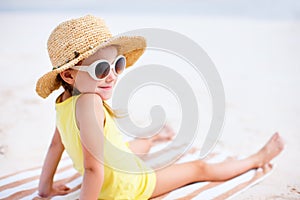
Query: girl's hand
[
  {"x": 164, "y": 135},
  {"x": 57, "y": 189},
  {"x": 142, "y": 146}
]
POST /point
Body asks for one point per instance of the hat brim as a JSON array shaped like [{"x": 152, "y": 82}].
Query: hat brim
[{"x": 132, "y": 47}]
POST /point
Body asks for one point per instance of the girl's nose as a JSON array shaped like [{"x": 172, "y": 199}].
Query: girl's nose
[{"x": 111, "y": 76}]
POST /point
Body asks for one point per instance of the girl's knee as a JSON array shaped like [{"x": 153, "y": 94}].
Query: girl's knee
[{"x": 201, "y": 169}]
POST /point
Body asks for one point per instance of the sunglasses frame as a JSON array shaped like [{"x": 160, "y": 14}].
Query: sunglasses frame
[{"x": 91, "y": 69}]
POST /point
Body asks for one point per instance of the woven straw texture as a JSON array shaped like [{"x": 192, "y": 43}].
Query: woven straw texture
[{"x": 77, "y": 39}]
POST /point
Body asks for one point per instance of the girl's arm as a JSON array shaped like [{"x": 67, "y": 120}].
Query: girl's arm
[
  {"x": 46, "y": 186},
  {"x": 90, "y": 120},
  {"x": 93, "y": 176}
]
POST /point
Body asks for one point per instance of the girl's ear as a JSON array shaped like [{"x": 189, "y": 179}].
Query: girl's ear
[{"x": 68, "y": 76}]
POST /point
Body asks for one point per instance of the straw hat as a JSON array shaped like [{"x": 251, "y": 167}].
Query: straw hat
[{"x": 77, "y": 39}]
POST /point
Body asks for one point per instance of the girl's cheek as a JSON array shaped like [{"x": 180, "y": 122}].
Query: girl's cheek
[
  {"x": 81, "y": 79},
  {"x": 80, "y": 83}
]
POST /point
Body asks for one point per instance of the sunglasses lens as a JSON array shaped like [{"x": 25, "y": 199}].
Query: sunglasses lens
[
  {"x": 102, "y": 70},
  {"x": 120, "y": 65}
]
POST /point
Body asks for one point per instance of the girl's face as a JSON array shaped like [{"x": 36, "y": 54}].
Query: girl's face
[{"x": 86, "y": 84}]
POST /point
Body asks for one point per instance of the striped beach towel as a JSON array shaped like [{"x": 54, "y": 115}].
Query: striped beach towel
[{"x": 23, "y": 184}]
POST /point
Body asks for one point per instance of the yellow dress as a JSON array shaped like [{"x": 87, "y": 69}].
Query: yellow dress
[{"x": 117, "y": 184}]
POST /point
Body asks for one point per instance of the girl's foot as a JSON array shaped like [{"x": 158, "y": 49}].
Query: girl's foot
[{"x": 271, "y": 149}]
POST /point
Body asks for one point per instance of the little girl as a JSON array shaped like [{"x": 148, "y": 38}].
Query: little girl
[{"x": 86, "y": 61}]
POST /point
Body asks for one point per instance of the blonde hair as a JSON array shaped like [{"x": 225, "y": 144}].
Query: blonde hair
[{"x": 110, "y": 111}]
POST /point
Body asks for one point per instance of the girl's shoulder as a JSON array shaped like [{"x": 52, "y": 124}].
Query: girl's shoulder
[
  {"x": 89, "y": 105},
  {"x": 89, "y": 101}
]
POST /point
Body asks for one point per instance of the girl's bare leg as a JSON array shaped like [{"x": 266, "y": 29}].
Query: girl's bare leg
[{"x": 178, "y": 175}]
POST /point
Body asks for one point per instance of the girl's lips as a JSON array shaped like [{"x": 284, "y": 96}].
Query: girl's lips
[{"x": 106, "y": 87}]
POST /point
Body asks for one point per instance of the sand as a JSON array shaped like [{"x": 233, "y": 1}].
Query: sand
[{"x": 257, "y": 59}]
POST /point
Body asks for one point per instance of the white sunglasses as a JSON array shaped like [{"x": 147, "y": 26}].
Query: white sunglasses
[{"x": 100, "y": 69}]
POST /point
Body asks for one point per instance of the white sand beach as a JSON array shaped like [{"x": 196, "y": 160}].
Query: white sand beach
[{"x": 257, "y": 59}]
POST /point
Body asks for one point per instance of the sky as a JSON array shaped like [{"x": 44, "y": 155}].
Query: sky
[{"x": 268, "y": 9}]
